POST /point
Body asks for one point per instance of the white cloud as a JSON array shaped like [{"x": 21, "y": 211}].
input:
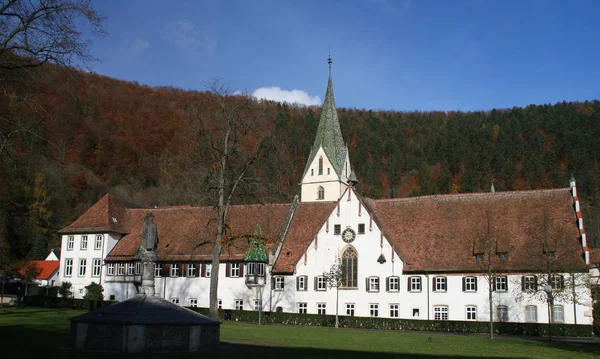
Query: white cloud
[
  {"x": 186, "y": 36},
  {"x": 132, "y": 48},
  {"x": 275, "y": 93}
]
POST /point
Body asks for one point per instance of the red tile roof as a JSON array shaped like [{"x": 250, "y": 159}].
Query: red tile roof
[
  {"x": 188, "y": 233},
  {"x": 47, "y": 268},
  {"x": 107, "y": 215},
  {"x": 308, "y": 219},
  {"x": 442, "y": 232}
]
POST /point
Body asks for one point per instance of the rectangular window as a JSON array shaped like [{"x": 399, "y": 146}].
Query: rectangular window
[
  {"x": 557, "y": 281},
  {"x": 374, "y": 310},
  {"x": 361, "y": 228},
  {"x": 440, "y": 284},
  {"x": 469, "y": 284},
  {"x": 174, "y": 270},
  {"x": 502, "y": 313},
  {"x": 193, "y": 302},
  {"x": 191, "y": 270},
  {"x": 471, "y": 312},
  {"x": 414, "y": 284},
  {"x": 350, "y": 309},
  {"x": 558, "y": 314},
  {"x": 416, "y": 313},
  {"x": 279, "y": 283},
  {"x": 83, "y": 242},
  {"x": 138, "y": 268},
  {"x": 440, "y": 312},
  {"x": 394, "y": 310},
  {"x": 258, "y": 305},
  {"x": 531, "y": 314},
  {"x": 500, "y": 284},
  {"x": 70, "y": 243},
  {"x": 208, "y": 270},
  {"x": 529, "y": 283},
  {"x": 320, "y": 283},
  {"x": 175, "y": 300},
  {"x": 321, "y": 308},
  {"x": 372, "y": 284},
  {"x": 393, "y": 284},
  {"x": 82, "y": 267},
  {"x": 337, "y": 229},
  {"x": 239, "y": 304},
  {"x": 257, "y": 269},
  {"x": 235, "y": 270},
  {"x": 96, "y": 265},
  {"x": 110, "y": 269},
  {"x": 130, "y": 269},
  {"x": 120, "y": 268},
  {"x": 98, "y": 243},
  {"x": 301, "y": 283},
  {"x": 68, "y": 267},
  {"x": 157, "y": 270},
  {"x": 302, "y": 308}
]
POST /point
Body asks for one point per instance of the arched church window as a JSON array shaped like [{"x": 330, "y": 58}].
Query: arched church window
[
  {"x": 321, "y": 193},
  {"x": 350, "y": 267},
  {"x": 320, "y": 165}
]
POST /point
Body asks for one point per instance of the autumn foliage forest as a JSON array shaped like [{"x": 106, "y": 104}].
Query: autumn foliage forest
[{"x": 79, "y": 135}]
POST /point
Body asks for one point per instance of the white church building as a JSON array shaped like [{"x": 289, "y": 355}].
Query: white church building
[{"x": 433, "y": 257}]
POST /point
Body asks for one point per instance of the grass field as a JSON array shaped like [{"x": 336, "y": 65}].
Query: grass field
[{"x": 35, "y": 333}]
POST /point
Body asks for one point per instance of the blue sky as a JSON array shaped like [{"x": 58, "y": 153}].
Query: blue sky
[{"x": 387, "y": 54}]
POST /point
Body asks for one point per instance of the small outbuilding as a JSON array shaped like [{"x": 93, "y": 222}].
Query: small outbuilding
[{"x": 144, "y": 324}]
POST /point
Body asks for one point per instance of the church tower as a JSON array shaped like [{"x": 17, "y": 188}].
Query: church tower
[{"x": 327, "y": 173}]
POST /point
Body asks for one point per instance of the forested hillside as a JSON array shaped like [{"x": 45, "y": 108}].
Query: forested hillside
[{"x": 75, "y": 136}]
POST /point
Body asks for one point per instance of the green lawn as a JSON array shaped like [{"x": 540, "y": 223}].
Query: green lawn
[{"x": 31, "y": 333}]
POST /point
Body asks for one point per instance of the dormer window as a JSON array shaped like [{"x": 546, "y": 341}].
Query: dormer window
[
  {"x": 503, "y": 256},
  {"x": 321, "y": 193},
  {"x": 479, "y": 257},
  {"x": 320, "y": 166},
  {"x": 551, "y": 254},
  {"x": 328, "y": 170}
]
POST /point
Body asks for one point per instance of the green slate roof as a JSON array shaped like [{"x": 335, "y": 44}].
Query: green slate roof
[
  {"x": 257, "y": 251},
  {"x": 329, "y": 135}
]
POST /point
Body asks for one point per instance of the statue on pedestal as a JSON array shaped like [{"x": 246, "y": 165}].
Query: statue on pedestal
[{"x": 148, "y": 255}]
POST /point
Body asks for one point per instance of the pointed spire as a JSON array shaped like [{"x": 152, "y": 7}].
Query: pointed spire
[{"x": 329, "y": 134}]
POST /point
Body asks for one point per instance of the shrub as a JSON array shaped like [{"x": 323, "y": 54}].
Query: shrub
[{"x": 94, "y": 292}]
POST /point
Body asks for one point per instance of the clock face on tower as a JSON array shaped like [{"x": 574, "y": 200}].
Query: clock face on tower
[{"x": 348, "y": 235}]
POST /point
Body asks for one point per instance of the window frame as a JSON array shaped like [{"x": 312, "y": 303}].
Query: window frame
[
  {"x": 501, "y": 283},
  {"x": 470, "y": 284},
  {"x": 234, "y": 268},
  {"x": 83, "y": 243},
  {"x": 322, "y": 308},
  {"x": 350, "y": 309},
  {"x": 558, "y": 314},
  {"x": 193, "y": 302},
  {"x": 70, "y": 243},
  {"x": 130, "y": 269},
  {"x": 391, "y": 282},
  {"x": 320, "y": 283},
  {"x": 208, "y": 270},
  {"x": 394, "y": 310},
  {"x": 96, "y": 267},
  {"x": 361, "y": 228},
  {"x": 302, "y": 308},
  {"x": 337, "y": 229},
  {"x": 120, "y": 268},
  {"x": 302, "y": 283},
  {"x": 415, "y": 281},
  {"x": 175, "y": 300},
  {"x": 349, "y": 265},
  {"x": 528, "y": 310},
  {"x": 320, "y": 193},
  {"x": 557, "y": 281},
  {"x": 440, "y": 284},
  {"x": 239, "y": 304},
  {"x": 529, "y": 283},
  {"x": 471, "y": 313},
  {"x": 441, "y": 312},
  {"x": 68, "y": 267},
  {"x": 110, "y": 269},
  {"x": 502, "y": 313},
  {"x": 278, "y": 283},
  {"x": 98, "y": 242},
  {"x": 157, "y": 270},
  {"x": 191, "y": 270},
  {"x": 138, "y": 268},
  {"x": 82, "y": 268},
  {"x": 258, "y": 305},
  {"x": 174, "y": 270},
  {"x": 373, "y": 284},
  {"x": 374, "y": 310}
]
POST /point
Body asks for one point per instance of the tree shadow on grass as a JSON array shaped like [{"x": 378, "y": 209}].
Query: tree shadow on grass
[{"x": 582, "y": 346}]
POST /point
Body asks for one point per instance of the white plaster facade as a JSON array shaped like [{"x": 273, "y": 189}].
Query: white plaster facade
[{"x": 333, "y": 185}]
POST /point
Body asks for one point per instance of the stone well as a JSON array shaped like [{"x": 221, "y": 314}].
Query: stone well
[{"x": 144, "y": 324}]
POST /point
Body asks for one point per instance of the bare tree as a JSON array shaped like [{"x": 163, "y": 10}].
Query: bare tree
[
  {"x": 336, "y": 277},
  {"x": 489, "y": 259},
  {"x": 230, "y": 138}
]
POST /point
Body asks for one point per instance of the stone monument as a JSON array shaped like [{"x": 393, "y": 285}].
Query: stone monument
[{"x": 147, "y": 253}]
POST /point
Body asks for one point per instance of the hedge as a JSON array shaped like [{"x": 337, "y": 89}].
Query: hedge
[
  {"x": 71, "y": 303},
  {"x": 527, "y": 329}
]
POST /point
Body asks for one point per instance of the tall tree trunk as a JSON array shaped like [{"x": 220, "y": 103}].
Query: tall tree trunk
[
  {"x": 222, "y": 216},
  {"x": 490, "y": 292},
  {"x": 337, "y": 303}
]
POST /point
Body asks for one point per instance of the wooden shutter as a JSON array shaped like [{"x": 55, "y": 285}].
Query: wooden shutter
[
  {"x": 494, "y": 284},
  {"x": 203, "y": 269},
  {"x": 242, "y": 269},
  {"x": 387, "y": 284},
  {"x": 298, "y": 283},
  {"x": 476, "y": 283},
  {"x": 316, "y": 286},
  {"x": 227, "y": 270},
  {"x": 198, "y": 267},
  {"x": 272, "y": 282},
  {"x": 506, "y": 281},
  {"x": 464, "y": 281},
  {"x": 166, "y": 270},
  {"x": 408, "y": 286},
  {"x": 282, "y": 283},
  {"x": 562, "y": 282},
  {"x": 523, "y": 283},
  {"x": 535, "y": 282},
  {"x": 367, "y": 283}
]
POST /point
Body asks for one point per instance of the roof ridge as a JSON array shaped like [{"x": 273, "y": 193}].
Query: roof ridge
[{"x": 466, "y": 195}]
